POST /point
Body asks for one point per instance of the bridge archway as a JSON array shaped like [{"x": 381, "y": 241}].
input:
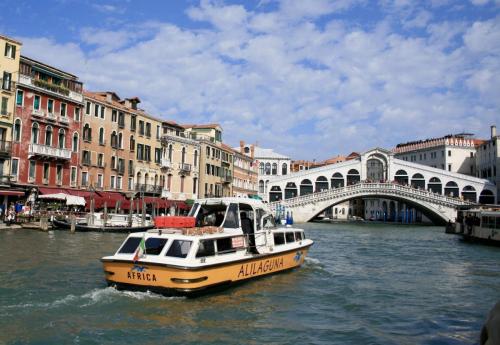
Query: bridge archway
[
  {"x": 451, "y": 189},
  {"x": 337, "y": 180},
  {"x": 321, "y": 184},
  {"x": 401, "y": 177},
  {"x": 486, "y": 197},
  {"x": 435, "y": 185},
  {"x": 469, "y": 193},
  {"x": 291, "y": 190},
  {"x": 353, "y": 177},
  {"x": 418, "y": 181},
  {"x": 275, "y": 194},
  {"x": 306, "y": 187}
]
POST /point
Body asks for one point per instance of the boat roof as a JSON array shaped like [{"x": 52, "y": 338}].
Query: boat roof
[{"x": 228, "y": 200}]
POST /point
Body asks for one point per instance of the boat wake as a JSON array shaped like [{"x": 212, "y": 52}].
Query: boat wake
[{"x": 95, "y": 296}]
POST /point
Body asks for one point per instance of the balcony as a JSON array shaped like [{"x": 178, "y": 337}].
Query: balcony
[
  {"x": 63, "y": 120},
  {"x": 5, "y": 180},
  {"x": 227, "y": 179},
  {"x": 54, "y": 88},
  {"x": 38, "y": 112},
  {"x": 5, "y": 113},
  {"x": 121, "y": 124},
  {"x": 148, "y": 188},
  {"x": 185, "y": 168},
  {"x": 48, "y": 152},
  {"x": 51, "y": 117},
  {"x": 166, "y": 163},
  {"x": 5, "y": 148}
]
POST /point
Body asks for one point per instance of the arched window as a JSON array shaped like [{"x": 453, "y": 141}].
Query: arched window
[
  {"x": 469, "y": 193},
  {"x": 261, "y": 168},
  {"x": 321, "y": 184},
  {"x": 17, "y": 130},
  {"x": 337, "y": 180},
  {"x": 183, "y": 156},
  {"x": 306, "y": 187},
  {"x": 284, "y": 169},
  {"x": 75, "y": 142},
  {"x": 401, "y": 177},
  {"x": 418, "y": 181},
  {"x": 487, "y": 197},
  {"x": 435, "y": 185},
  {"x": 120, "y": 140},
  {"x": 132, "y": 143},
  {"x": 62, "y": 139},
  {"x": 268, "y": 168},
  {"x": 195, "y": 161},
  {"x": 451, "y": 189},
  {"x": 275, "y": 194},
  {"x": 261, "y": 186},
  {"x": 48, "y": 136},
  {"x": 275, "y": 169},
  {"x": 353, "y": 177},
  {"x": 170, "y": 152},
  {"x": 290, "y": 190},
  {"x": 87, "y": 132},
  {"x": 101, "y": 136},
  {"x": 114, "y": 140},
  {"x": 35, "y": 132}
]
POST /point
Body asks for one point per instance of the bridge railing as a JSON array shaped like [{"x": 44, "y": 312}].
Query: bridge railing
[{"x": 383, "y": 188}]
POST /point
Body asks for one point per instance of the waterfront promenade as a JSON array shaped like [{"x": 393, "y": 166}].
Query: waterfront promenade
[{"x": 363, "y": 284}]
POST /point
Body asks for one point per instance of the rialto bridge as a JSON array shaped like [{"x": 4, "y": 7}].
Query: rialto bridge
[{"x": 377, "y": 174}]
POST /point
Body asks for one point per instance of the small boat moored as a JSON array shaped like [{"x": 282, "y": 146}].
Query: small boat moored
[
  {"x": 114, "y": 222},
  {"x": 231, "y": 240}
]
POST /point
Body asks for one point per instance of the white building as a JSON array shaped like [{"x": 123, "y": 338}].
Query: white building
[
  {"x": 454, "y": 153},
  {"x": 270, "y": 163},
  {"x": 488, "y": 161}
]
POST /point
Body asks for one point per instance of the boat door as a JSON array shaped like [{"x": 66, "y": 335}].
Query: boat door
[{"x": 247, "y": 221}]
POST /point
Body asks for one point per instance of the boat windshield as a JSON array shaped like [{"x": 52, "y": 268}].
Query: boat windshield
[
  {"x": 193, "y": 210},
  {"x": 211, "y": 215},
  {"x": 268, "y": 222}
]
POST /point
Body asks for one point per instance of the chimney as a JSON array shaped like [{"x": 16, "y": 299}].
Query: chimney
[
  {"x": 242, "y": 146},
  {"x": 493, "y": 131},
  {"x": 252, "y": 151},
  {"x": 109, "y": 97}
]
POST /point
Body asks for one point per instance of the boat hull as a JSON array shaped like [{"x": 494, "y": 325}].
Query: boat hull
[
  {"x": 85, "y": 228},
  {"x": 190, "y": 281}
]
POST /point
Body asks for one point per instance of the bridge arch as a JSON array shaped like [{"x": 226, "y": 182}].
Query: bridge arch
[
  {"x": 321, "y": 184},
  {"x": 451, "y": 189},
  {"x": 291, "y": 190},
  {"x": 469, "y": 193},
  {"x": 353, "y": 177},
  {"x": 435, "y": 185},
  {"x": 418, "y": 181},
  {"x": 401, "y": 177},
  {"x": 306, "y": 187},
  {"x": 486, "y": 197},
  {"x": 337, "y": 180}
]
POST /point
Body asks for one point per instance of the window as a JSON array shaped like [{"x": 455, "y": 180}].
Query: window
[
  {"x": 232, "y": 220},
  {"x": 141, "y": 127},
  {"x": 179, "y": 249},
  {"x": 62, "y": 139},
  {"x": 120, "y": 140},
  {"x": 112, "y": 184},
  {"x": 289, "y": 237},
  {"x": 130, "y": 245},
  {"x": 261, "y": 169},
  {"x": 87, "y": 133},
  {"x": 225, "y": 245},
  {"x": 121, "y": 120},
  {"x": 284, "y": 169},
  {"x": 157, "y": 132},
  {"x": 100, "y": 160},
  {"x": 5, "y": 103},
  {"x": 207, "y": 151},
  {"x": 14, "y": 168},
  {"x": 48, "y": 136},
  {"x": 279, "y": 238},
  {"x": 299, "y": 236},
  {"x": 130, "y": 183},
  {"x": 10, "y": 51},
  {"x": 96, "y": 110},
  {"x": 35, "y": 131},
  {"x": 102, "y": 112},
  {"x": 170, "y": 152},
  {"x": 6, "y": 81},
  {"x": 268, "y": 168},
  {"x": 32, "y": 171},
  {"x": 449, "y": 167},
  {"x": 157, "y": 155},
  {"x": 87, "y": 108},
  {"x": 140, "y": 152},
  {"x": 73, "y": 176},
  {"x": 132, "y": 143},
  {"x": 86, "y": 157},
  {"x": 59, "y": 174},
  {"x": 74, "y": 145},
  {"x": 101, "y": 136},
  {"x": 195, "y": 160},
  {"x": 147, "y": 153},
  {"x": 118, "y": 182},
  {"x": 275, "y": 169},
  {"x": 46, "y": 172},
  {"x": 77, "y": 114},
  {"x": 19, "y": 98},
  {"x": 50, "y": 106},
  {"x": 99, "y": 181},
  {"x": 154, "y": 245},
  {"x": 205, "y": 248},
  {"x": 131, "y": 167},
  {"x": 148, "y": 129},
  {"x": 63, "y": 109},
  {"x": 132, "y": 123},
  {"x": 114, "y": 117},
  {"x": 449, "y": 153},
  {"x": 85, "y": 178},
  {"x": 36, "y": 102}
]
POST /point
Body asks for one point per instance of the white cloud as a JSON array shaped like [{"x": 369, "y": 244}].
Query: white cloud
[{"x": 290, "y": 82}]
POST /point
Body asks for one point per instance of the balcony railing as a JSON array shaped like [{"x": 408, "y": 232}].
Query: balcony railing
[
  {"x": 166, "y": 163},
  {"x": 64, "y": 120},
  {"x": 148, "y": 188},
  {"x": 58, "y": 89},
  {"x": 185, "y": 168},
  {"x": 4, "y": 112},
  {"x": 5, "y": 147},
  {"x": 48, "y": 151},
  {"x": 38, "y": 112},
  {"x": 51, "y": 116},
  {"x": 227, "y": 179}
]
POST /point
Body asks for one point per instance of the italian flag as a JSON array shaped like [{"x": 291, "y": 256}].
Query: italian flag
[{"x": 139, "y": 253}]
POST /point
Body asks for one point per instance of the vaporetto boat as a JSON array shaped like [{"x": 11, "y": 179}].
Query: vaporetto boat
[{"x": 230, "y": 240}]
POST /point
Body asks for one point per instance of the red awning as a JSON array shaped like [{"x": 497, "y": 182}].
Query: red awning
[
  {"x": 11, "y": 193},
  {"x": 47, "y": 190}
]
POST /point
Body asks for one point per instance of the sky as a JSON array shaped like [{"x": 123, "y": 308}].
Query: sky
[{"x": 310, "y": 79}]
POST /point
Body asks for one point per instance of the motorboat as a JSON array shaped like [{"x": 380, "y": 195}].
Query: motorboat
[
  {"x": 481, "y": 225},
  {"x": 107, "y": 222},
  {"x": 222, "y": 241}
]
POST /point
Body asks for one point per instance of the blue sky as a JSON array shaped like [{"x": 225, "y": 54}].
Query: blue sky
[{"x": 310, "y": 79}]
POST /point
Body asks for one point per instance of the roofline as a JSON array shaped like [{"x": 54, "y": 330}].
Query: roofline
[
  {"x": 11, "y": 40},
  {"x": 23, "y": 57}
]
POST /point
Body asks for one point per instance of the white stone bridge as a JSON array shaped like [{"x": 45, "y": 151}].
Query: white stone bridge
[{"x": 436, "y": 193}]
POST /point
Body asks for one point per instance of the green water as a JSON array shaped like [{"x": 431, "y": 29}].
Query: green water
[{"x": 362, "y": 284}]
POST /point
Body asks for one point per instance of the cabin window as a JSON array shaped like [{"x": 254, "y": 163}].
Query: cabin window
[
  {"x": 193, "y": 210},
  {"x": 232, "y": 220},
  {"x": 259, "y": 214},
  {"x": 206, "y": 248},
  {"x": 179, "y": 249},
  {"x": 268, "y": 222},
  {"x": 298, "y": 236},
  {"x": 154, "y": 245},
  {"x": 225, "y": 245},
  {"x": 279, "y": 238},
  {"x": 130, "y": 245},
  {"x": 289, "y": 237}
]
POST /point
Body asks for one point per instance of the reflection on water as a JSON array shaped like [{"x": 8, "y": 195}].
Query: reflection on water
[{"x": 361, "y": 284}]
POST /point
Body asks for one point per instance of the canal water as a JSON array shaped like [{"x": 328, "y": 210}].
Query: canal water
[{"x": 362, "y": 284}]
